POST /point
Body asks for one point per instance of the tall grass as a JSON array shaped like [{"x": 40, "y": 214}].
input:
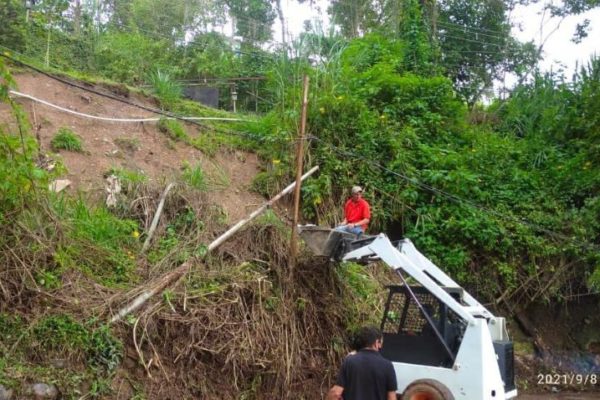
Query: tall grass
[{"x": 165, "y": 88}]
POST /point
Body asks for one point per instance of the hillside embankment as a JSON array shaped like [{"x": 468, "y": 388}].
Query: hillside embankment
[{"x": 241, "y": 324}]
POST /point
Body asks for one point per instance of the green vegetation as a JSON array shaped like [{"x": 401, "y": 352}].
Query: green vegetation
[
  {"x": 505, "y": 197},
  {"x": 128, "y": 177},
  {"x": 167, "y": 90},
  {"x": 173, "y": 129},
  {"x": 57, "y": 337},
  {"x": 195, "y": 177},
  {"x": 66, "y": 139},
  {"x": 111, "y": 238}
]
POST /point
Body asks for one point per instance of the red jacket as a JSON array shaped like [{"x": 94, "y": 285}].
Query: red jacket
[{"x": 355, "y": 211}]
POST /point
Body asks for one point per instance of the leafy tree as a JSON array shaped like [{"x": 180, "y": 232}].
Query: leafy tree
[
  {"x": 210, "y": 55},
  {"x": 419, "y": 52},
  {"x": 355, "y": 17},
  {"x": 566, "y": 8},
  {"x": 253, "y": 19},
  {"x": 12, "y": 28},
  {"x": 477, "y": 46},
  {"x": 129, "y": 57}
]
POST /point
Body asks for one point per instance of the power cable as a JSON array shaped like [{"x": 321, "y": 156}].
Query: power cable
[
  {"x": 459, "y": 199},
  {"x": 474, "y": 41},
  {"x": 468, "y": 29},
  {"x": 19, "y": 94},
  {"x": 259, "y": 138}
]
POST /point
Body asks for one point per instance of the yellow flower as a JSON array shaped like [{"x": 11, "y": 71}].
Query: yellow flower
[
  {"x": 340, "y": 97},
  {"x": 276, "y": 162},
  {"x": 135, "y": 234},
  {"x": 322, "y": 110}
]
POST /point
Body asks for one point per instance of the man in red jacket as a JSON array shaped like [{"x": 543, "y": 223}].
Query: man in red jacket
[{"x": 357, "y": 214}]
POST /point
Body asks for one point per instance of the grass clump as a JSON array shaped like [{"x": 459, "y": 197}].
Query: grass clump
[
  {"x": 127, "y": 176},
  {"x": 363, "y": 295},
  {"x": 96, "y": 242},
  {"x": 173, "y": 129},
  {"x": 194, "y": 176},
  {"x": 208, "y": 144},
  {"x": 66, "y": 139},
  {"x": 130, "y": 145}
]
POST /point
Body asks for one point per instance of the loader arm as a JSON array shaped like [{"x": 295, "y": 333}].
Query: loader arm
[
  {"x": 382, "y": 248},
  {"x": 406, "y": 257},
  {"x": 483, "y": 336}
]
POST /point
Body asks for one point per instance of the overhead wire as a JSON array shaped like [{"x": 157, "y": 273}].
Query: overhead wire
[
  {"x": 112, "y": 119},
  {"x": 470, "y": 29},
  {"x": 458, "y": 199},
  {"x": 248, "y": 135}
]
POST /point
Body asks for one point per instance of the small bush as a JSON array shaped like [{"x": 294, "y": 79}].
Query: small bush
[
  {"x": 104, "y": 350},
  {"x": 66, "y": 139}
]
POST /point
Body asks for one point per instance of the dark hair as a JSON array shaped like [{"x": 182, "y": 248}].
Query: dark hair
[{"x": 366, "y": 337}]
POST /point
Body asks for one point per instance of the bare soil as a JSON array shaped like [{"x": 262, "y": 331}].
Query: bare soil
[{"x": 153, "y": 154}]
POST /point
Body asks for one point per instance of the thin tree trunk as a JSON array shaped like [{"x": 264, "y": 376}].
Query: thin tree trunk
[
  {"x": 281, "y": 20},
  {"x": 77, "y": 18}
]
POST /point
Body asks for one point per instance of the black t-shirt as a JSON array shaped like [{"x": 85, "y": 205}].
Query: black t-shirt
[{"x": 366, "y": 375}]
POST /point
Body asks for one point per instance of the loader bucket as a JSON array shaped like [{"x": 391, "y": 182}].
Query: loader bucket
[{"x": 322, "y": 241}]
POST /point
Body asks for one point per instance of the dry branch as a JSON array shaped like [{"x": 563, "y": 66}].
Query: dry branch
[
  {"x": 164, "y": 281},
  {"x": 161, "y": 203}
]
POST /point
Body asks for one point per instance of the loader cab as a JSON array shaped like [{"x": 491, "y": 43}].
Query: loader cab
[{"x": 409, "y": 337}]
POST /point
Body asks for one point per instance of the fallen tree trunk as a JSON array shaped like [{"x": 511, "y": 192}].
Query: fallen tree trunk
[{"x": 158, "y": 285}]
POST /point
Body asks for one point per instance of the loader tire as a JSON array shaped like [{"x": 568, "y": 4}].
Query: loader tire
[{"x": 427, "y": 389}]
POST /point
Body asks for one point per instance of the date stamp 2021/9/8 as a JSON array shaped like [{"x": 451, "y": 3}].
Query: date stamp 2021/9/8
[{"x": 568, "y": 379}]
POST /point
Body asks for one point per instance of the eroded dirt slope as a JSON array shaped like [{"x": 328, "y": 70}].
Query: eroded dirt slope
[{"x": 153, "y": 154}]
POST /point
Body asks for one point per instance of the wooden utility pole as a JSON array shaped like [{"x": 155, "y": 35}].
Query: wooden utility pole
[{"x": 299, "y": 159}]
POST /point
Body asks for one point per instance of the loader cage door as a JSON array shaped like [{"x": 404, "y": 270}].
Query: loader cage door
[{"x": 409, "y": 338}]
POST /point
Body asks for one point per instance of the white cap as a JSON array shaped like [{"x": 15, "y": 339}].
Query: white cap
[{"x": 356, "y": 189}]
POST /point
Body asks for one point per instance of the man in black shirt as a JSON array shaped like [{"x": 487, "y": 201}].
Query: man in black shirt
[{"x": 365, "y": 375}]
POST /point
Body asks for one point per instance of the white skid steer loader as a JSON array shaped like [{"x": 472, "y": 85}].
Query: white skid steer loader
[{"x": 443, "y": 343}]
